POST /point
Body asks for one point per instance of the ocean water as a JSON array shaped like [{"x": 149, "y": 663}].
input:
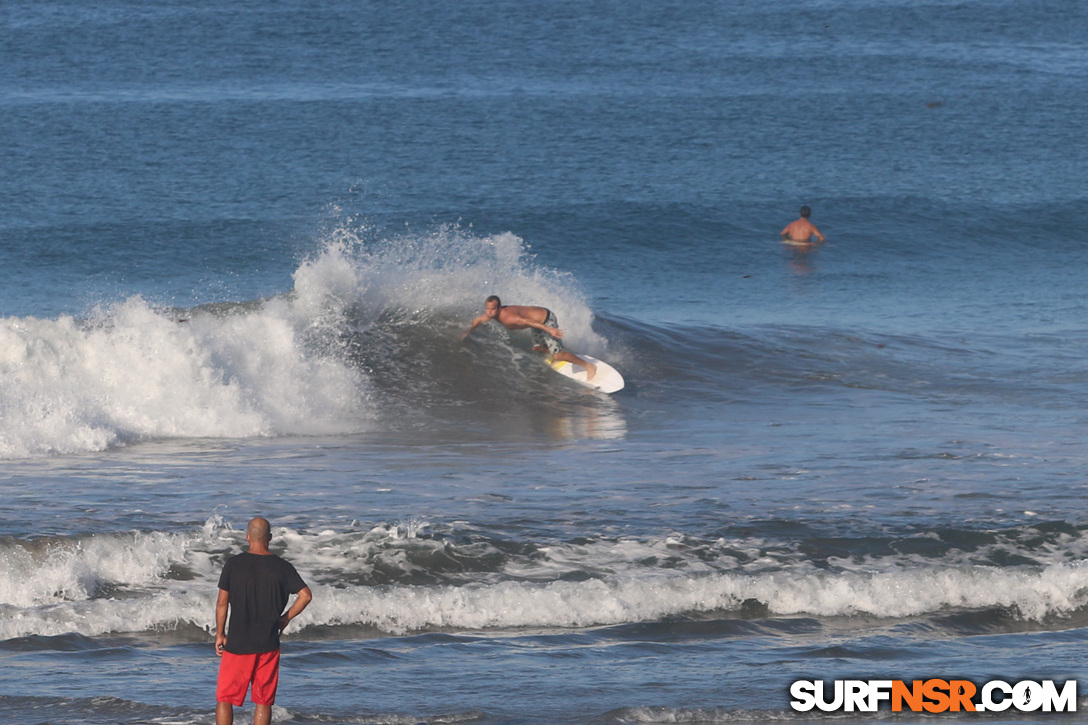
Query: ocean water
[{"x": 239, "y": 242}]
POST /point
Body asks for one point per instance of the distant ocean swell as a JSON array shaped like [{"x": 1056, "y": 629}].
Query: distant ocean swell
[{"x": 391, "y": 580}]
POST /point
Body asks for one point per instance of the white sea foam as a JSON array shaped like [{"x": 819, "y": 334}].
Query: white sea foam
[
  {"x": 129, "y": 583},
  {"x": 1035, "y": 595},
  {"x": 132, "y": 373},
  {"x": 597, "y": 602}
]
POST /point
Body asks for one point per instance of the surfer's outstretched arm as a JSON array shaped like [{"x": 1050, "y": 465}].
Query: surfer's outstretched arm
[
  {"x": 475, "y": 323},
  {"x": 522, "y": 322}
]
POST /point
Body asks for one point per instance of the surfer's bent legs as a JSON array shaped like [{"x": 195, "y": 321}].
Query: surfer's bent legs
[{"x": 543, "y": 341}]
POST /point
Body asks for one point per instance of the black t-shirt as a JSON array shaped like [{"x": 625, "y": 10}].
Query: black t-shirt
[{"x": 260, "y": 586}]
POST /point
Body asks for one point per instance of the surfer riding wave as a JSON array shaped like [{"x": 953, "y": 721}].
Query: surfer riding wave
[{"x": 541, "y": 321}]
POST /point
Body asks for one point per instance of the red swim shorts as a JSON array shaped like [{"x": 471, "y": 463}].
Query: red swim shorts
[{"x": 236, "y": 672}]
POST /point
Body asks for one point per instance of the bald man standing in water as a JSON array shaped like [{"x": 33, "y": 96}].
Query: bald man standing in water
[
  {"x": 255, "y": 587},
  {"x": 540, "y": 320}
]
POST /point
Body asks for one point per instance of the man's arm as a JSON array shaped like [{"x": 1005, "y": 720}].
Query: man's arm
[
  {"x": 817, "y": 233},
  {"x": 221, "y": 605},
  {"x": 305, "y": 596},
  {"x": 475, "y": 323},
  {"x": 553, "y": 331},
  {"x": 526, "y": 322}
]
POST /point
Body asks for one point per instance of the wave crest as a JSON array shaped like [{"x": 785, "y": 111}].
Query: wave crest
[{"x": 368, "y": 324}]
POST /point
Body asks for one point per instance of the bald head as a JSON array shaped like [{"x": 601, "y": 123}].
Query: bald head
[{"x": 259, "y": 531}]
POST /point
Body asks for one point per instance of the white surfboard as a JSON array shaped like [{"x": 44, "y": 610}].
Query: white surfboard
[{"x": 607, "y": 379}]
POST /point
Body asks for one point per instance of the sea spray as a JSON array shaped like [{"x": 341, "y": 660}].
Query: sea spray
[
  {"x": 435, "y": 276},
  {"x": 130, "y": 372},
  {"x": 300, "y": 363}
]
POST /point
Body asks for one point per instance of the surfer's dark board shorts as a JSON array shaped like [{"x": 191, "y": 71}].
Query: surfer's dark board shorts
[
  {"x": 543, "y": 339},
  {"x": 237, "y": 671}
]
